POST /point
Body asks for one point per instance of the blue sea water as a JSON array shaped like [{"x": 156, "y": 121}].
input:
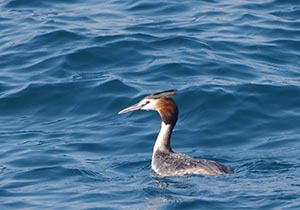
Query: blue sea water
[{"x": 67, "y": 68}]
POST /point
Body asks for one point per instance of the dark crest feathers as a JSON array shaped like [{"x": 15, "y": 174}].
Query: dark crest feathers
[{"x": 163, "y": 94}]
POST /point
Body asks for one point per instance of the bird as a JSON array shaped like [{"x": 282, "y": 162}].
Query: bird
[{"x": 165, "y": 162}]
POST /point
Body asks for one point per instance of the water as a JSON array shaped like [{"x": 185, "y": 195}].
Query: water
[{"x": 67, "y": 68}]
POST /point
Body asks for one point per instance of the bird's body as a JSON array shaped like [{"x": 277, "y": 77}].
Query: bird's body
[
  {"x": 166, "y": 162},
  {"x": 177, "y": 164}
]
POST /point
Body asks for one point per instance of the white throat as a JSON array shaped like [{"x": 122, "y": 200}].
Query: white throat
[{"x": 163, "y": 139}]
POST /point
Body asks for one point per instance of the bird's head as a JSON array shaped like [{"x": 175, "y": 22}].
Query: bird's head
[{"x": 161, "y": 102}]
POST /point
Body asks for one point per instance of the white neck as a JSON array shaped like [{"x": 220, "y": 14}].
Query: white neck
[{"x": 162, "y": 142}]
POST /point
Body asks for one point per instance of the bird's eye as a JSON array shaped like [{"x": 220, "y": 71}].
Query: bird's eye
[{"x": 147, "y": 102}]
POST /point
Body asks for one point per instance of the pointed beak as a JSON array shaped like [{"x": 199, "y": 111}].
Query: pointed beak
[{"x": 130, "y": 109}]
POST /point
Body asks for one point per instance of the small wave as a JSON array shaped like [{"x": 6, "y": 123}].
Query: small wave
[
  {"x": 55, "y": 173},
  {"x": 267, "y": 166}
]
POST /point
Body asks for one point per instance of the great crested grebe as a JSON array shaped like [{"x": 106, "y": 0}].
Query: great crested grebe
[{"x": 166, "y": 162}]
